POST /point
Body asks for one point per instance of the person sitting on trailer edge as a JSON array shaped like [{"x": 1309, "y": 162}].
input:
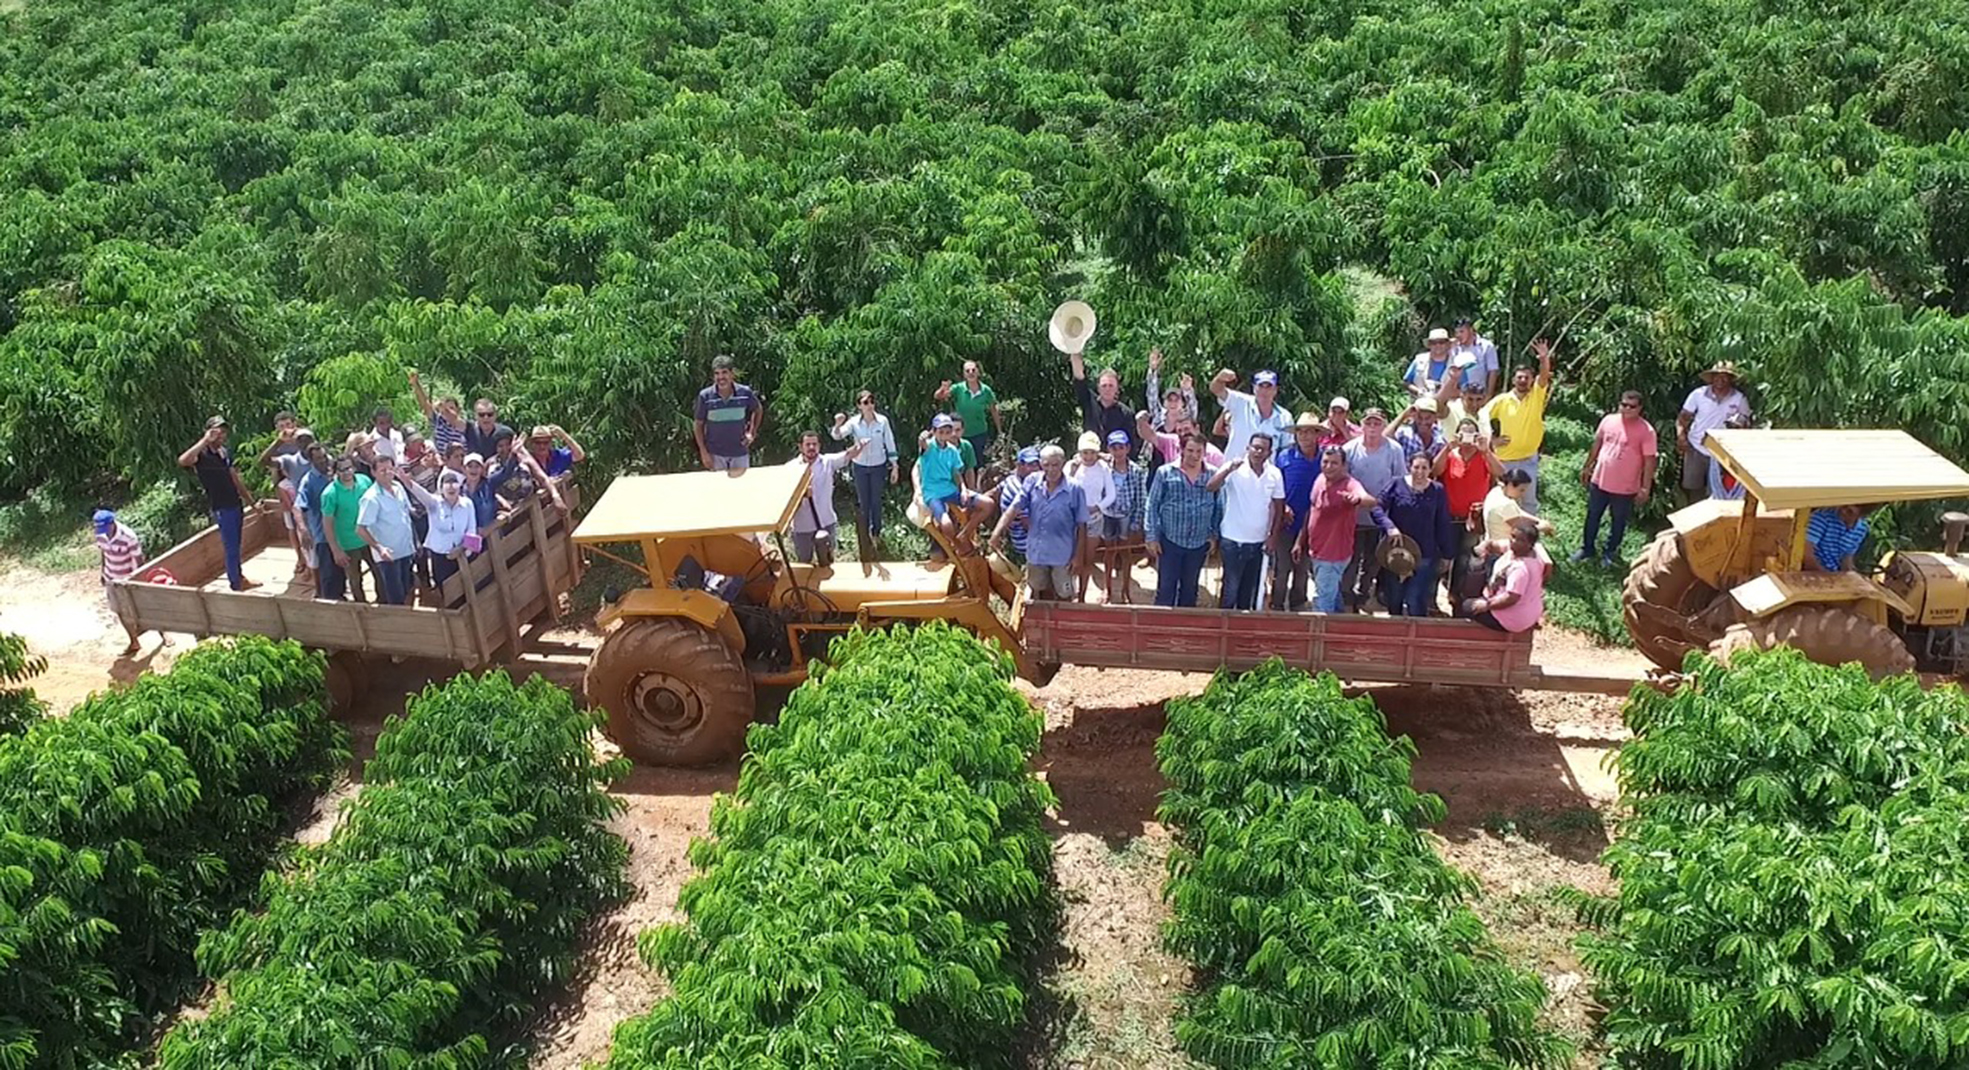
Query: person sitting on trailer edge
[
  {"x": 1515, "y": 598},
  {"x": 1055, "y": 508},
  {"x": 1835, "y": 537},
  {"x": 938, "y": 474}
]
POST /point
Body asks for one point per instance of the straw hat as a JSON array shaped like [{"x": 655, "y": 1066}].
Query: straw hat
[
  {"x": 1071, "y": 327},
  {"x": 1399, "y": 554},
  {"x": 1721, "y": 367}
]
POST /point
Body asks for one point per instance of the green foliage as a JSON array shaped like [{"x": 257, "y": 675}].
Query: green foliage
[
  {"x": 446, "y": 903},
  {"x": 19, "y": 666},
  {"x": 878, "y": 882},
  {"x": 135, "y": 823},
  {"x": 343, "y": 393},
  {"x": 1791, "y": 881},
  {"x": 1325, "y": 930}
]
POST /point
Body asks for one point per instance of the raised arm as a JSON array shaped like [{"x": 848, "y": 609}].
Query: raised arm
[
  {"x": 1220, "y": 384},
  {"x": 573, "y": 447},
  {"x": 190, "y": 456},
  {"x": 1223, "y": 472},
  {"x": 423, "y": 398},
  {"x": 1543, "y": 348}
]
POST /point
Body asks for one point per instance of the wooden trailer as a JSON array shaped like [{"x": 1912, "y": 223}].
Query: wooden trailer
[{"x": 527, "y": 564}]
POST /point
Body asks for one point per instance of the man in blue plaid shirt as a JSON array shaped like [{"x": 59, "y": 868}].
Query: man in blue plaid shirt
[{"x": 1120, "y": 522}]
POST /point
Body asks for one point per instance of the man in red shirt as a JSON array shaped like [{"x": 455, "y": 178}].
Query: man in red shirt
[
  {"x": 1619, "y": 474},
  {"x": 1329, "y": 537}
]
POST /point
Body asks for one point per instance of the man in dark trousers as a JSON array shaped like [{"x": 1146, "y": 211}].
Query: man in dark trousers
[
  {"x": 225, "y": 493},
  {"x": 1101, "y": 407}
]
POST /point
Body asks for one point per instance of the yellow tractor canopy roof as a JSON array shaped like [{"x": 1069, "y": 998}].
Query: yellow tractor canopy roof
[
  {"x": 1789, "y": 469},
  {"x": 689, "y": 504}
]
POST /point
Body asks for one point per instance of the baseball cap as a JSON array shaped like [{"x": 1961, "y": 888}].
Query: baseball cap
[
  {"x": 216, "y": 421},
  {"x": 1265, "y": 378},
  {"x": 1373, "y": 413},
  {"x": 1089, "y": 440},
  {"x": 1464, "y": 321},
  {"x": 473, "y": 458},
  {"x": 941, "y": 421},
  {"x": 1425, "y": 405},
  {"x": 1029, "y": 455},
  {"x": 1439, "y": 335},
  {"x": 1117, "y": 438},
  {"x": 1339, "y": 403},
  {"x": 104, "y": 520}
]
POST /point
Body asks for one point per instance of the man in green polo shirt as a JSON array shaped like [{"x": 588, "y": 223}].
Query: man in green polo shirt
[
  {"x": 974, "y": 402},
  {"x": 341, "y": 504}
]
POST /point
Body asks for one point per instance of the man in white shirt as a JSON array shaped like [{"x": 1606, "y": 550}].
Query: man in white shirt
[
  {"x": 1254, "y": 515},
  {"x": 1708, "y": 408},
  {"x": 386, "y": 441},
  {"x": 1475, "y": 356},
  {"x": 814, "y": 519},
  {"x": 1255, "y": 413}
]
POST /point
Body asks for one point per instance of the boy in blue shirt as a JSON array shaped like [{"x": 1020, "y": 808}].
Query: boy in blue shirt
[{"x": 939, "y": 474}]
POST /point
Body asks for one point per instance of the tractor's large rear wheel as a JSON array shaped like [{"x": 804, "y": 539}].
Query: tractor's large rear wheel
[
  {"x": 675, "y": 694},
  {"x": 1830, "y": 635},
  {"x": 1662, "y": 578}
]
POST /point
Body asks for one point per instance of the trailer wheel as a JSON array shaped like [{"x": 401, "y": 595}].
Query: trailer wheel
[
  {"x": 1829, "y": 635},
  {"x": 1662, "y": 577},
  {"x": 341, "y": 689},
  {"x": 674, "y": 693}
]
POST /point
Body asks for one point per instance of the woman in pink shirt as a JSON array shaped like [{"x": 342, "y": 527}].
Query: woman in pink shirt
[
  {"x": 1619, "y": 473},
  {"x": 1515, "y": 601}
]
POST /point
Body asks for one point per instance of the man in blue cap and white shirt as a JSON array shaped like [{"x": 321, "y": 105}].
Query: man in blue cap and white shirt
[
  {"x": 1255, "y": 413},
  {"x": 123, "y": 555}
]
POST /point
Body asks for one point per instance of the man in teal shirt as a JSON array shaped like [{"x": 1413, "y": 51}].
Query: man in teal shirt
[
  {"x": 341, "y": 506},
  {"x": 939, "y": 475}
]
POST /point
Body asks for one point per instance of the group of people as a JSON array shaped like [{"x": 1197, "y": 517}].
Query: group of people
[
  {"x": 386, "y": 501},
  {"x": 1432, "y": 510}
]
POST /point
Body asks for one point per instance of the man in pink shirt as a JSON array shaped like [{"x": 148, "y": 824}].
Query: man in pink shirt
[
  {"x": 1619, "y": 473},
  {"x": 1329, "y": 536},
  {"x": 1515, "y": 600}
]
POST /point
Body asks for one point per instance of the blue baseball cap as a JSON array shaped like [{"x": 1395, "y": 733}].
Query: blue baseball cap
[
  {"x": 105, "y": 520},
  {"x": 1117, "y": 438},
  {"x": 1029, "y": 455},
  {"x": 1265, "y": 378},
  {"x": 941, "y": 421}
]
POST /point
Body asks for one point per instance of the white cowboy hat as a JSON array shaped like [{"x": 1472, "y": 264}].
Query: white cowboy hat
[{"x": 1071, "y": 327}]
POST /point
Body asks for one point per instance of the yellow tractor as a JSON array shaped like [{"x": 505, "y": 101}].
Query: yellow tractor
[
  {"x": 1730, "y": 575},
  {"x": 728, "y": 610}
]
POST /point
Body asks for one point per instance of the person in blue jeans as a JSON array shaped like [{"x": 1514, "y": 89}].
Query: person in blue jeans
[
  {"x": 1180, "y": 522},
  {"x": 1419, "y": 507},
  {"x": 211, "y": 462}
]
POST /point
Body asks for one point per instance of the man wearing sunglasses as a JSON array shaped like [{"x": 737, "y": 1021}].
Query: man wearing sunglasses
[
  {"x": 482, "y": 434},
  {"x": 1619, "y": 472}
]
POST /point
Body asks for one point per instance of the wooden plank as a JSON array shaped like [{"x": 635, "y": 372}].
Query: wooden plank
[
  {"x": 550, "y": 564},
  {"x": 475, "y": 620},
  {"x": 508, "y": 618}
]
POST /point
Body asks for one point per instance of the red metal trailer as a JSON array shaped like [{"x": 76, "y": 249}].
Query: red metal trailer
[{"x": 1365, "y": 649}]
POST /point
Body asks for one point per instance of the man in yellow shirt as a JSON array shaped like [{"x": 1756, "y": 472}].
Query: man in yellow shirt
[{"x": 1520, "y": 417}]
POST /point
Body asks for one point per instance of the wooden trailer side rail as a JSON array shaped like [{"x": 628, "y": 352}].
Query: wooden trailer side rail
[
  {"x": 1409, "y": 650},
  {"x": 527, "y": 564}
]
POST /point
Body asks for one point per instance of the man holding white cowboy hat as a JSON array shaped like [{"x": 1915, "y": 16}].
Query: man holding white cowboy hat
[
  {"x": 1709, "y": 407},
  {"x": 1101, "y": 409}
]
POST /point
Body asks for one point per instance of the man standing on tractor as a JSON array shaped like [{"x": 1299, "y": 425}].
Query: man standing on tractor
[
  {"x": 973, "y": 401},
  {"x": 1835, "y": 536},
  {"x": 1055, "y": 511},
  {"x": 727, "y": 419},
  {"x": 1709, "y": 407},
  {"x": 813, "y": 518},
  {"x": 1520, "y": 419},
  {"x": 939, "y": 473}
]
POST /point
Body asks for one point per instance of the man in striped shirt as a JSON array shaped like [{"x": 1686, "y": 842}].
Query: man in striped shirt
[
  {"x": 123, "y": 555},
  {"x": 1834, "y": 537}
]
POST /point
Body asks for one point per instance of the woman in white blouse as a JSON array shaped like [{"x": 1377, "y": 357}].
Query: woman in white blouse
[
  {"x": 452, "y": 517},
  {"x": 878, "y": 453}
]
